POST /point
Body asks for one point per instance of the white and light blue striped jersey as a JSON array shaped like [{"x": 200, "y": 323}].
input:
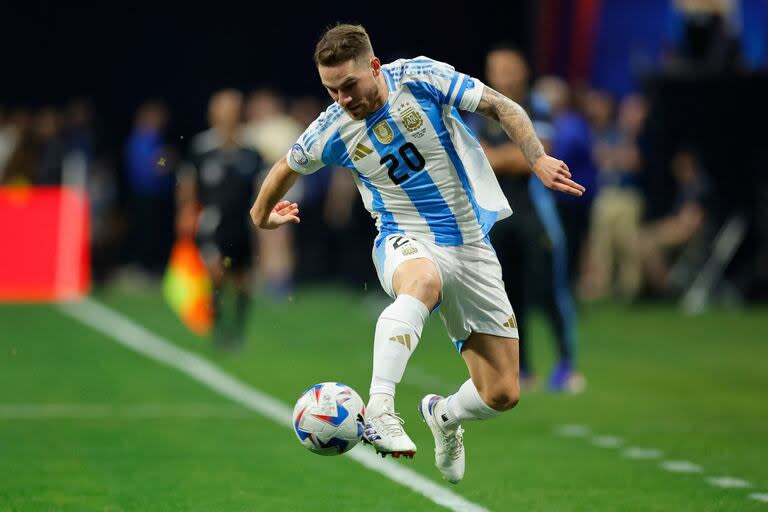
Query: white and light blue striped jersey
[{"x": 418, "y": 167}]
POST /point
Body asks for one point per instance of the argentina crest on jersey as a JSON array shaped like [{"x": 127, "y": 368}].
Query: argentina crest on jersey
[{"x": 412, "y": 119}]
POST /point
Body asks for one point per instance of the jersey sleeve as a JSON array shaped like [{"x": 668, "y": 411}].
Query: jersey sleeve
[
  {"x": 451, "y": 87},
  {"x": 305, "y": 156}
]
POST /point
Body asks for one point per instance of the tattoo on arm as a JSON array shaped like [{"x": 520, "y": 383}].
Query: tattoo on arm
[{"x": 513, "y": 120}]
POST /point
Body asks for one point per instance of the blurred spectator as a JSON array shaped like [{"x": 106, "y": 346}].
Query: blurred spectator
[
  {"x": 618, "y": 208},
  {"x": 22, "y": 161},
  {"x": 79, "y": 133},
  {"x": 531, "y": 243},
  {"x": 346, "y": 218},
  {"x": 313, "y": 250},
  {"x": 8, "y": 137},
  {"x": 332, "y": 214},
  {"x": 269, "y": 128},
  {"x": 51, "y": 147},
  {"x": 102, "y": 190},
  {"x": 149, "y": 167},
  {"x": 272, "y": 132},
  {"x": 571, "y": 143},
  {"x": 704, "y": 36},
  {"x": 87, "y": 165},
  {"x": 659, "y": 241},
  {"x": 222, "y": 179}
]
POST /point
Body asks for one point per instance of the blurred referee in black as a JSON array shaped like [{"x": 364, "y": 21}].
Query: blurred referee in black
[{"x": 220, "y": 179}]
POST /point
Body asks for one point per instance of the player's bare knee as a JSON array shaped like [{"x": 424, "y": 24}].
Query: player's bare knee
[
  {"x": 418, "y": 278},
  {"x": 425, "y": 286},
  {"x": 502, "y": 397},
  {"x": 429, "y": 286}
]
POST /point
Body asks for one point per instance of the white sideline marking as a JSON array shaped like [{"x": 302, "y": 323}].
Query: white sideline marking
[
  {"x": 728, "y": 482},
  {"x": 142, "y": 411},
  {"x": 674, "y": 466},
  {"x": 572, "y": 430},
  {"x": 681, "y": 466},
  {"x": 607, "y": 441},
  {"x": 634, "y": 452},
  {"x": 132, "y": 335}
]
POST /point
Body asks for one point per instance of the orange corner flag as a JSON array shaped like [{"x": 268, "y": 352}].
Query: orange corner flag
[{"x": 187, "y": 287}]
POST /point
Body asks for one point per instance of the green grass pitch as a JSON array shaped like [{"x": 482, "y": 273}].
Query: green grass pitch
[{"x": 124, "y": 433}]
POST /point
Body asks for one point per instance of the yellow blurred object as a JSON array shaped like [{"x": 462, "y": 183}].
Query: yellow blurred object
[{"x": 187, "y": 287}]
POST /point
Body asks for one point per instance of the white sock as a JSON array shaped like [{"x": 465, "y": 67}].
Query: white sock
[
  {"x": 379, "y": 403},
  {"x": 398, "y": 331},
  {"x": 465, "y": 404}
]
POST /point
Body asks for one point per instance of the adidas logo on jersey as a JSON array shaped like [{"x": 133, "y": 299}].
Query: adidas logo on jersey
[
  {"x": 511, "y": 323},
  {"x": 361, "y": 151},
  {"x": 403, "y": 339}
]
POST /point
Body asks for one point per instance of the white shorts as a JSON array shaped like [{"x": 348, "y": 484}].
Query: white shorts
[{"x": 473, "y": 298}]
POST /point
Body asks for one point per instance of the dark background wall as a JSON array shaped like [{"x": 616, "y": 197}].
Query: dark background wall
[{"x": 121, "y": 55}]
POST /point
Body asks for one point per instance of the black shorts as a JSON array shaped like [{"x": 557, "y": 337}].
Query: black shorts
[{"x": 234, "y": 249}]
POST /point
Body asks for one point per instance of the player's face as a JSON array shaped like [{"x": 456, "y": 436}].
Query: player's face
[{"x": 354, "y": 85}]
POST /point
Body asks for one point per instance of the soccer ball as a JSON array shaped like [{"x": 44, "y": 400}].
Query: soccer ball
[{"x": 329, "y": 418}]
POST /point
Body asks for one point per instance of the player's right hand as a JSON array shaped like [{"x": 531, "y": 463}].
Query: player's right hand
[
  {"x": 284, "y": 212},
  {"x": 555, "y": 174}
]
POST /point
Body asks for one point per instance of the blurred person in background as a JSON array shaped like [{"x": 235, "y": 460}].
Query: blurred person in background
[
  {"x": 271, "y": 131},
  {"x": 572, "y": 143},
  {"x": 333, "y": 214},
  {"x": 220, "y": 178},
  {"x": 85, "y": 147},
  {"x": 268, "y": 126},
  {"x": 531, "y": 242},
  {"x": 51, "y": 147},
  {"x": 8, "y": 137},
  {"x": 102, "y": 188},
  {"x": 314, "y": 242},
  {"x": 618, "y": 209},
  {"x": 79, "y": 130},
  {"x": 149, "y": 168},
  {"x": 346, "y": 219},
  {"x": 23, "y": 151},
  {"x": 67, "y": 157},
  {"x": 659, "y": 241},
  {"x": 704, "y": 36}
]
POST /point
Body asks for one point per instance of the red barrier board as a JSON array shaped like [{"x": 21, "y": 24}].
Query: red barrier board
[{"x": 44, "y": 243}]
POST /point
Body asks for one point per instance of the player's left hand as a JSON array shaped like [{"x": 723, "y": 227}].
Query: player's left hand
[{"x": 555, "y": 175}]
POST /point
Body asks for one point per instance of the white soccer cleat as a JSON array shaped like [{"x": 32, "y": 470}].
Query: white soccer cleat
[
  {"x": 449, "y": 442},
  {"x": 386, "y": 434}
]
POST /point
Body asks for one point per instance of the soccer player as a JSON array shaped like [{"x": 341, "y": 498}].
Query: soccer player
[{"x": 434, "y": 196}]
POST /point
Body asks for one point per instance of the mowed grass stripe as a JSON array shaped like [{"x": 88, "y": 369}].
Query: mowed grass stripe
[{"x": 47, "y": 411}]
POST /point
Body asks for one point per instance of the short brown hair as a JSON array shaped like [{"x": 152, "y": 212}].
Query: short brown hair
[{"x": 342, "y": 43}]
